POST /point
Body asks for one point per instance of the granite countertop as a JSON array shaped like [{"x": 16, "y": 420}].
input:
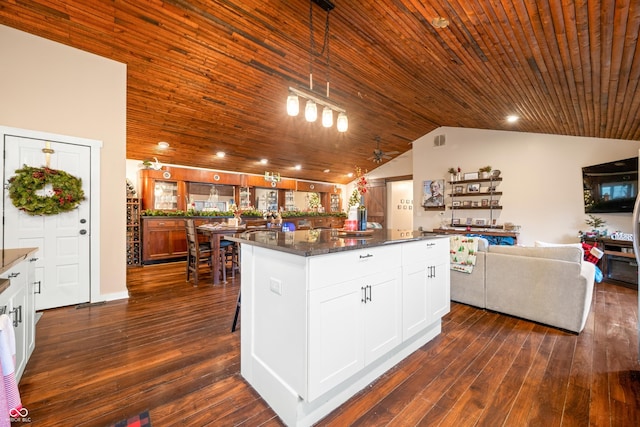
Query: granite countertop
[{"x": 324, "y": 241}]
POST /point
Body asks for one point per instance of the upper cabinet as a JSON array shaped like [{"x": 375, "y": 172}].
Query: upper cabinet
[
  {"x": 165, "y": 195},
  {"x": 182, "y": 189}
]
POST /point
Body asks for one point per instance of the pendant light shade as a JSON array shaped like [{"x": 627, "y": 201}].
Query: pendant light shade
[
  {"x": 327, "y": 117},
  {"x": 343, "y": 122},
  {"x": 311, "y": 111},
  {"x": 293, "y": 105}
]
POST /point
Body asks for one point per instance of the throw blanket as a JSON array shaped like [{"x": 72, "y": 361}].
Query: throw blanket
[
  {"x": 462, "y": 250},
  {"x": 9, "y": 394}
]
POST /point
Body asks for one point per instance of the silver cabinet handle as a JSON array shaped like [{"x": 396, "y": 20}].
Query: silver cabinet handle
[{"x": 17, "y": 318}]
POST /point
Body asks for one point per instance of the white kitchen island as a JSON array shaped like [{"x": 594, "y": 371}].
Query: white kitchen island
[{"x": 323, "y": 314}]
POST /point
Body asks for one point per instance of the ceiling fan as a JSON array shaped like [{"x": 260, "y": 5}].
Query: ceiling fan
[{"x": 379, "y": 155}]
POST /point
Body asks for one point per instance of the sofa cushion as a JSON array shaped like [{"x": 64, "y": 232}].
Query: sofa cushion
[
  {"x": 540, "y": 244},
  {"x": 563, "y": 253}
]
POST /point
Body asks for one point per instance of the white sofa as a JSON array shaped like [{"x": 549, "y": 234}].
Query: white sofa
[{"x": 550, "y": 285}]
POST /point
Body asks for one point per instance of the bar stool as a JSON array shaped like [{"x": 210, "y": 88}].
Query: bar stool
[
  {"x": 230, "y": 256},
  {"x": 235, "y": 317}
]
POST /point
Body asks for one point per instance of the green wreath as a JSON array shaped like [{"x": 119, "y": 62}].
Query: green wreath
[{"x": 65, "y": 193}]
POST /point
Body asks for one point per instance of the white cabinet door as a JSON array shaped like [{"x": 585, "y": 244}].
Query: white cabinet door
[
  {"x": 439, "y": 289},
  {"x": 425, "y": 284},
  {"x": 336, "y": 335},
  {"x": 17, "y": 311},
  {"x": 30, "y": 310},
  {"x": 350, "y": 325},
  {"x": 383, "y": 319},
  {"x": 415, "y": 300},
  {"x": 13, "y": 302}
]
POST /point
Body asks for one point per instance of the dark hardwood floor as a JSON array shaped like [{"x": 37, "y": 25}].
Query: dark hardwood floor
[{"x": 169, "y": 350}]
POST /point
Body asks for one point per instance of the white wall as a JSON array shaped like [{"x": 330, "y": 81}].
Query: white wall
[
  {"x": 542, "y": 177},
  {"x": 400, "y": 205},
  {"x": 50, "y": 87}
]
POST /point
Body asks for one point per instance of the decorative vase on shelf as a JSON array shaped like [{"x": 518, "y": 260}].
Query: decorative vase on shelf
[{"x": 362, "y": 215}]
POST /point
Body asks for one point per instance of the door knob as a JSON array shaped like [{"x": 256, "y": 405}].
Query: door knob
[
  {"x": 83, "y": 221},
  {"x": 83, "y": 231}
]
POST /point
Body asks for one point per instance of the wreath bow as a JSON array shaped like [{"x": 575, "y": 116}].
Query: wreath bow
[{"x": 45, "y": 191}]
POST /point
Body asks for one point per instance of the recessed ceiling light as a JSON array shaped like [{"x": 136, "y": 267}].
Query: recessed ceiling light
[
  {"x": 163, "y": 145},
  {"x": 512, "y": 119},
  {"x": 264, "y": 161},
  {"x": 350, "y": 174},
  {"x": 298, "y": 167},
  {"x": 440, "y": 22},
  {"x": 220, "y": 154},
  {"x": 327, "y": 170}
]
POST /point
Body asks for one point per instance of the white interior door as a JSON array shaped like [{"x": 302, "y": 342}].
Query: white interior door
[{"x": 63, "y": 261}]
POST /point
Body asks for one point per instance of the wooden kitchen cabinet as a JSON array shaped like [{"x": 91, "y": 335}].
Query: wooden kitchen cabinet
[{"x": 165, "y": 239}]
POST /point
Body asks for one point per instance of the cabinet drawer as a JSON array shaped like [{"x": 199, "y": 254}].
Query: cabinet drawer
[
  {"x": 165, "y": 223},
  {"x": 325, "y": 270},
  {"x": 425, "y": 250}
]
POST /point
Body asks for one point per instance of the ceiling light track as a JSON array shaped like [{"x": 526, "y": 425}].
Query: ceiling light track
[{"x": 318, "y": 99}]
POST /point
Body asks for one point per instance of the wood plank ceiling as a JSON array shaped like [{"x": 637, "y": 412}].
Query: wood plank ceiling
[{"x": 210, "y": 76}]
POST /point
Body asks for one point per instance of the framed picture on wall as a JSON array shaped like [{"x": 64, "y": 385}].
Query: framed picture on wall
[
  {"x": 470, "y": 175},
  {"x": 485, "y": 202},
  {"x": 455, "y": 221},
  {"x": 433, "y": 193},
  {"x": 456, "y": 203},
  {"x": 473, "y": 188},
  {"x": 458, "y": 189}
]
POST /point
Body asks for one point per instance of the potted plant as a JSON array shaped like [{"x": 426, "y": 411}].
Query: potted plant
[
  {"x": 484, "y": 172},
  {"x": 595, "y": 222},
  {"x": 452, "y": 174}
]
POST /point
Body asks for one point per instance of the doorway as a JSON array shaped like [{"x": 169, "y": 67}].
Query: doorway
[
  {"x": 67, "y": 265},
  {"x": 400, "y": 205}
]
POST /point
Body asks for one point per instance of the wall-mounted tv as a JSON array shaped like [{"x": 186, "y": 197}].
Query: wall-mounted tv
[{"x": 610, "y": 187}]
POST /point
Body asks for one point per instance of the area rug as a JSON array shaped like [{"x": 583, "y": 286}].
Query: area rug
[{"x": 141, "y": 420}]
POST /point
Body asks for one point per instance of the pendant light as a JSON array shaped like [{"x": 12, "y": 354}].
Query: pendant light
[
  {"x": 311, "y": 106},
  {"x": 342, "y": 123},
  {"x": 293, "y": 105},
  {"x": 311, "y": 111},
  {"x": 327, "y": 117}
]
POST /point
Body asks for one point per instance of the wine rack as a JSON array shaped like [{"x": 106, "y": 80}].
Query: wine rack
[{"x": 133, "y": 232}]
